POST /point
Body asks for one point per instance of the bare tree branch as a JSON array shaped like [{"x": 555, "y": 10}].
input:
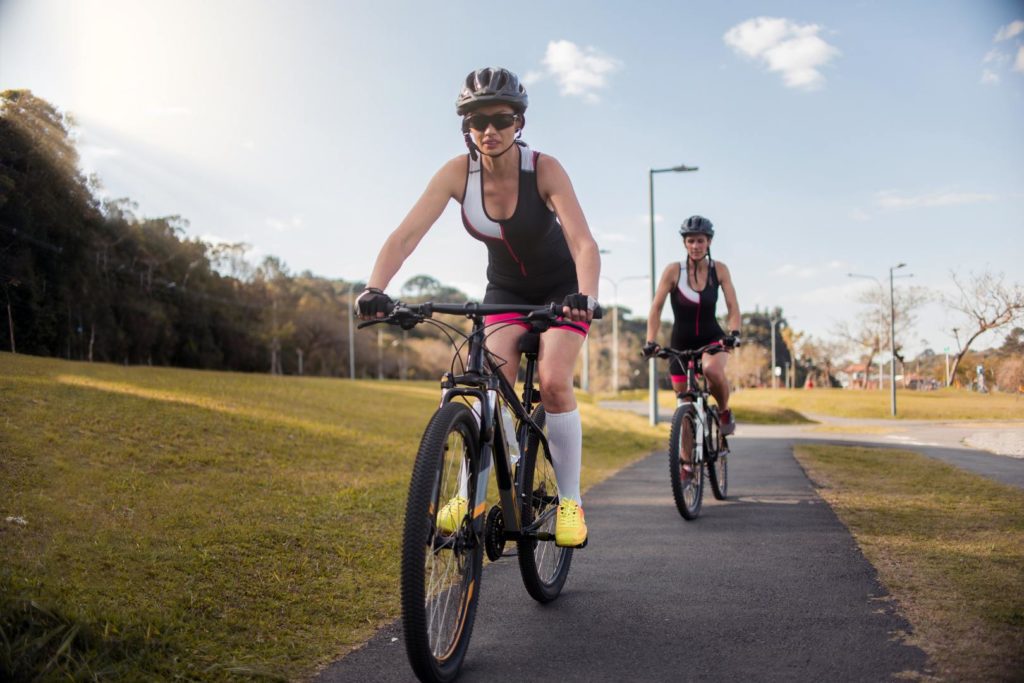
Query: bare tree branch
[{"x": 987, "y": 302}]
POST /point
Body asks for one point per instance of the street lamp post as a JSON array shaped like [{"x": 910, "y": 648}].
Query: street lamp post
[
  {"x": 351, "y": 331},
  {"x": 615, "y": 325},
  {"x": 892, "y": 338},
  {"x": 652, "y": 366},
  {"x": 892, "y": 331},
  {"x": 774, "y": 322}
]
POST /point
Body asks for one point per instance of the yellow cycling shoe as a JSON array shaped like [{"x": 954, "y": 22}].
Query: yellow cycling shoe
[
  {"x": 570, "y": 528},
  {"x": 449, "y": 519}
]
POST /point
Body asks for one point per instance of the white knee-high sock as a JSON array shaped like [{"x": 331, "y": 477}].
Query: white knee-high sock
[{"x": 565, "y": 437}]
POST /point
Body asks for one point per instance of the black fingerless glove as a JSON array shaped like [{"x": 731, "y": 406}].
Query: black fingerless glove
[
  {"x": 373, "y": 301},
  {"x": 731, "y": 340},
  {"x": 581, "y": 302},
  {"x": 650, "y": 348}
]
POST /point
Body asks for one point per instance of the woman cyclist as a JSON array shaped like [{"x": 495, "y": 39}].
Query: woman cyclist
[
  {"x": 522, "y": 206},
  {"x": 694, "y": 285}
]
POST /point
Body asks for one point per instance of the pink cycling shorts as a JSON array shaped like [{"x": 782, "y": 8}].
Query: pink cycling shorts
[{"x": 508, "y": 318}]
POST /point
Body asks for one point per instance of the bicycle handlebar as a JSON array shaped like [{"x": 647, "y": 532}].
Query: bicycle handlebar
[
  {"x": 682, "y": 354},
  {"x": 409, "y": 315}
]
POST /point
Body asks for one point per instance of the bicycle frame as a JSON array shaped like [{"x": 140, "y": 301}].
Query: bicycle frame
[
  {"x": 486, "y": 383},
  {"x": 696, "y": 393}
]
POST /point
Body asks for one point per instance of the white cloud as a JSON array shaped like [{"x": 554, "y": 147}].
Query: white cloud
[
  {"x": 889, "y": 199},
  {"x": 996, "y": 55},
  {"x": 794, "y": 50},
  {"x": 1012, "y": 29},
  {"x": 989, "y": 77},
  {"x": 860, "y": 215},
  {"x": 531, "y": 77},
  {"x": 579, "y": 71},
  {"x": 1019, "y": 64}
]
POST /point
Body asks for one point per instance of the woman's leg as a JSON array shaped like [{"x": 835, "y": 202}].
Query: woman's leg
[
  {"x": 714, "y": 370},
  {"x": 557, "y": 362},
  {"x": 504, "y": 344}
]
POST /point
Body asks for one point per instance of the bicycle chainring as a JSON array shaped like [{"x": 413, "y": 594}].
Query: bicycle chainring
[{"x": 494, "y": 533}]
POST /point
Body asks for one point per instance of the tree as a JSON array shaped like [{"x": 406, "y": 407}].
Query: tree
[
  {"x": 758, "y": 329},
  {"x": 747, "y": 365},
  {"x": 870, "y": 330},
  {"x": 1010, "y": 374},
  {"x": 1014, "y": 342},
  {"x": 987, "y": 302},
  {"x": 818, "y": 358}
]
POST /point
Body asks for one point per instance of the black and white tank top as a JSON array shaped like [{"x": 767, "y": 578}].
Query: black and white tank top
[{"x": 527, "y": 252}]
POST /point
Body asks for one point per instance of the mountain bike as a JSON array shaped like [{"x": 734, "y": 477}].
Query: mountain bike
[
  {"x": 696, "y": 442},
  {"x": 480, "y": 425}
]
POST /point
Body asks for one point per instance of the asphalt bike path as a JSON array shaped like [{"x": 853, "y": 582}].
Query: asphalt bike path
[
  {"x": 992, "y": 449},
  {"x": 766, "y": 586}
]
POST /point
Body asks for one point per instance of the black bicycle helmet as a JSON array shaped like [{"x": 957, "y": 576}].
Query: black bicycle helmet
[
  {"x": 697, "y": 225},
  {"x": 491, "y": 85}
]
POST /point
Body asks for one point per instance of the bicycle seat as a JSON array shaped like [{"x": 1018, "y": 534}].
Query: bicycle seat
[{"x": 530, "y": 342}]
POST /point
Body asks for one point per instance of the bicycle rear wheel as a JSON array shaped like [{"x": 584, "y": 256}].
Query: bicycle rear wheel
[
  {"x": 687, "y": 476},
  {"x": 440, "y": 571},
  {"x": 544, "y": 565},
  {"x": 718, "y": 457}
]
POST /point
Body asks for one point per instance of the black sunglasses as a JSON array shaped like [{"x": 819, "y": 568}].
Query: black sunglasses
[{"x": 481, "y": 121}]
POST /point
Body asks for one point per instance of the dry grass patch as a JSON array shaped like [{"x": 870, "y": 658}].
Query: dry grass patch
[
  {"x": 946, "y": 404},
  {"x": 949, "y": 546}
]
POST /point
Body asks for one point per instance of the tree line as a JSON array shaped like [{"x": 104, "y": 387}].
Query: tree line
[
  {"x": 85, "y": 278},
  {"x": 88, "y": 279}
]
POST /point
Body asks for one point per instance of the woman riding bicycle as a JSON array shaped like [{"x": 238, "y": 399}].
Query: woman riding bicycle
[
  {"x": 522, "y": 206},
  {"x": 694, "y": 287}
]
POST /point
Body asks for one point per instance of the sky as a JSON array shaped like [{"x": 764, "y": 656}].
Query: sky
[{"x": 830, "y": 138}]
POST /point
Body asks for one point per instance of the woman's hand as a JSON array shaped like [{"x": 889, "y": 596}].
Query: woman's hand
[
  {"x": 374, "y": 303},
  {"x": 579, "y": 307}
]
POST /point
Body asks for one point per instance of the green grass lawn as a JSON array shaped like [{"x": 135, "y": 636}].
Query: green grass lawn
[
  {"x": 199, "y": 525},
  {"x": 790, "y": 406},
  {"x": 949, "y": 546}
]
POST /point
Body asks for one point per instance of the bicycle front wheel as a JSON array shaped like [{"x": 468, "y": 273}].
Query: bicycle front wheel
[
  {"x": 441, "y": 567},
  {"x": 718, "y": 458},
  {"x": 544, "y": 565},
  {"x": 687, "y": 475}
]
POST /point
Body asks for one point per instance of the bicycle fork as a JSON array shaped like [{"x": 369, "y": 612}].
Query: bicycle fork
[{"x": 700, "y": 424}]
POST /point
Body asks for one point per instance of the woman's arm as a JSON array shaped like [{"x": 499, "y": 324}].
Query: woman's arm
[
  {"x": 556, "y": 189},
  {"x": 668, "y": 280},
  {"x": 731, "y": 305},
  {"x": 446, "y": 184}
]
